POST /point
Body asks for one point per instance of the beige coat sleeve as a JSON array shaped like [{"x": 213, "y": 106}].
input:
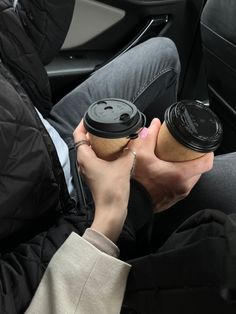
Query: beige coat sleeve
[{"x": 81, "y": 279}]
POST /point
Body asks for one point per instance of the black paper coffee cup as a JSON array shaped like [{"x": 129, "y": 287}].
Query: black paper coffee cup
[
  {"x": 194, "y": 126},
  {"x": 111, "y": 123}
]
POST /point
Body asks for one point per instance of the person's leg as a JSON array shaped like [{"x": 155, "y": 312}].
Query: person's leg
[
  {"x": 146, "y": 75},
  {"x": 215, "y": 190}
]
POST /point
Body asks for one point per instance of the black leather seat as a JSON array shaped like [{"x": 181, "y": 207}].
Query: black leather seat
[{"x": 218, "y": 29}]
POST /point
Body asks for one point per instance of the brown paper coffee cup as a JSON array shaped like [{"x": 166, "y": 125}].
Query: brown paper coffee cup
[
  {"x": 107, "y": 149},
  {"x": 189, "y": 131},
  {"x": 169, "y": 149},
  {"x": 111, "y": 123}
]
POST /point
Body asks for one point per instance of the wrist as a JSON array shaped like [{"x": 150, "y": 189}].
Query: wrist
[{"x": 108, "y": 224}]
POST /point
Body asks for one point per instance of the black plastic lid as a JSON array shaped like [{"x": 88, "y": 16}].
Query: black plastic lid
[
  {"x": 194, "y": 125},
  {"x": 113, "y": 118}
]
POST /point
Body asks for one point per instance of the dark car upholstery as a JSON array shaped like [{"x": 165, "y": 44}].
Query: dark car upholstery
[{"x": 218, "y": 28}]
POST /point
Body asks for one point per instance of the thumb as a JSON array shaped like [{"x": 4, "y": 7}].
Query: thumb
[
  {"x": 155, "y": 124},
  {"x": 147, "y": 137},
  {"x": 126, "y": 161},
  {"x": 150, "y": 138},
  {"x": 83, "y": 151}
]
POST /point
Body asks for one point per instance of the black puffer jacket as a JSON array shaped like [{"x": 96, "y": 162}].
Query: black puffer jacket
[{"x": 36, "y": 212}]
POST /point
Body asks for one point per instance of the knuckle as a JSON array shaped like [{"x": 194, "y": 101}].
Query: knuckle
[
  {"x": 209, "y": 162},
  {"x": 209, "y": 165},
  {"x": 184, "y": 190},
  {"x": 184, "y": 193},
  {"x": 179, "y": 176},
  {"x": 81, "y": 155}
]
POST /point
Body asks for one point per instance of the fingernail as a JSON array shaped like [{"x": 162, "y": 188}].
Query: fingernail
[
  {"x": 154, "y": 121},
  {"x": 143, "y": 133}
]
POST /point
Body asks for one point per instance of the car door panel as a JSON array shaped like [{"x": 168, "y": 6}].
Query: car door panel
[
  {"x": 102, "y": 29},
  {"x": 90, "y": 19}
]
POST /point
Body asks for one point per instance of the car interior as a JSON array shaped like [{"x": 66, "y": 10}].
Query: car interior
[{"x": 203, "y": 32}]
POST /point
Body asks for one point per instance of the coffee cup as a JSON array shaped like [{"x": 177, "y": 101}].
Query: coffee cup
[
  {"x": 111, "y": 123},
  {"x": 190, "y": 130}
]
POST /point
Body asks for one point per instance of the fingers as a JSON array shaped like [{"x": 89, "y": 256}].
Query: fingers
[
  {"x": 197, "y": 166},
  {"x": 202, "y": 164},
  {"x": 151, "y": 136},
  {"x": 80, "y": 134},
  {"x": 181, "y": 193},
  {"x": 191, "y": 183},
  {"x": 147, "y": 137},
  {"x": 84, "y": 152},
  {"x": 187, "y": 186},
  {"x": 127, "y": 160},
  {"x": 80, "y": 129}
]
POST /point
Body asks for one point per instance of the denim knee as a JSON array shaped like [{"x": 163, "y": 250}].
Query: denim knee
[{"x": 163, "y": 50}]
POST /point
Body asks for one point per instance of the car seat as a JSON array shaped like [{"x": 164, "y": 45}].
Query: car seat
[{"x": 218, "y": 30}]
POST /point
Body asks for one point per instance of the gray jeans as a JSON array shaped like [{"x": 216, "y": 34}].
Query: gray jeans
[{"x": 147, "y": 75}]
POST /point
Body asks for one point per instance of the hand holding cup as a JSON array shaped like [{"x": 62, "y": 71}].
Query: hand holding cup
[
  {"x": 166, "y": 182},
  {"x": 109, "y": 183}
]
